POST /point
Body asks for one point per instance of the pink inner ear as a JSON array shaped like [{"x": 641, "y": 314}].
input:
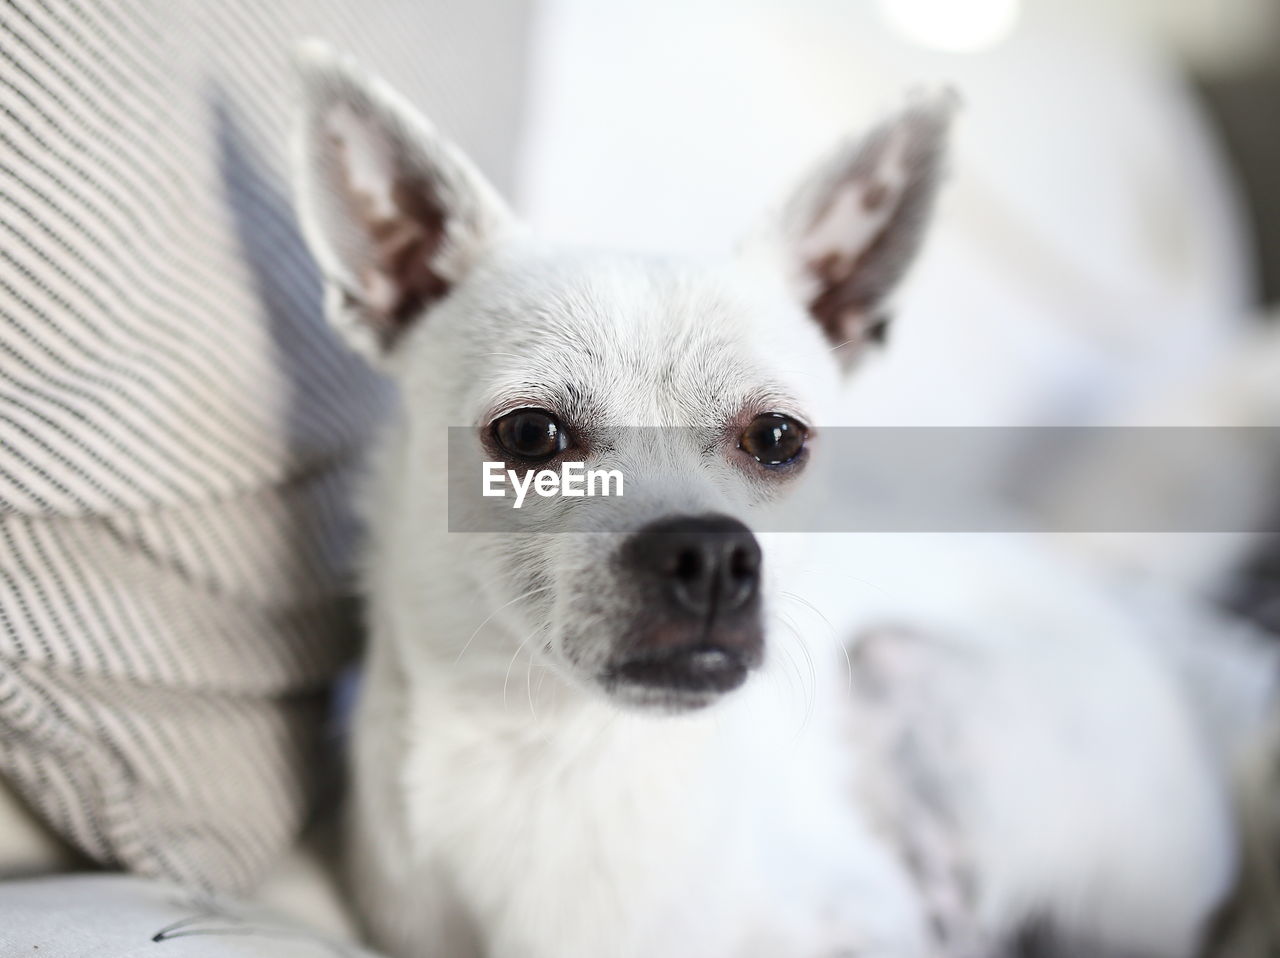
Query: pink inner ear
[
  {"x": 866, "y": 223},
  {"x": 406, "y": 246},
  {"x": 844, "y": 307},
  {"x": 845, "y": 237},
  {"x": 401, "y": 227}
]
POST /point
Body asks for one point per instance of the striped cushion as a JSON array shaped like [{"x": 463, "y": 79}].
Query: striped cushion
[{"x": 178, "y": 425}]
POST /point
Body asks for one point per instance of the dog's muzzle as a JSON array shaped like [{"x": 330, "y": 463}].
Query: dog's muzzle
[{"x": 699, "y": 582}]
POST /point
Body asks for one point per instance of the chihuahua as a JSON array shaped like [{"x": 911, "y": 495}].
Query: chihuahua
[{"x": 639, "y": 785}]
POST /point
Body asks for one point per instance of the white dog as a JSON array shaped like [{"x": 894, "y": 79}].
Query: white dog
[{"x": 672, "y": 772}]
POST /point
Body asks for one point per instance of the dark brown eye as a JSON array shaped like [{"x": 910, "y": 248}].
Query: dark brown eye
[
  {"x": 531, "y": 434},
  {"x": 773, "y": 439}
]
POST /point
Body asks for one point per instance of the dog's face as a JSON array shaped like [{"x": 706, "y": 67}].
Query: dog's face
[{"x": 703, "y": 387}]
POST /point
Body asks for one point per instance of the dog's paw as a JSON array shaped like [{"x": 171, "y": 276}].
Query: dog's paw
[{"x": 904, "y": 686}]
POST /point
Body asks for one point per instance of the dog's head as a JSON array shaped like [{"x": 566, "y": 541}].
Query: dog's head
[{"x": 703, "y": 386}]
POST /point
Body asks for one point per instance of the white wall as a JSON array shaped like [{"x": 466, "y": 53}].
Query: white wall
[{"x": 1087, "y": 246}]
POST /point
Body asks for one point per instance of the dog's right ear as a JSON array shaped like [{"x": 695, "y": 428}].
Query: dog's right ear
[
  {"x": 849, "y": 232},
  {"x": 394, "y": 214}
]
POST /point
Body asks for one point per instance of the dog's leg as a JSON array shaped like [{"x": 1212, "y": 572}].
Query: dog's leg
[
  {"x": 409, "y": 906},
  {"x": 892, "y": 670},
  {"x": 1052, "y": 782}
]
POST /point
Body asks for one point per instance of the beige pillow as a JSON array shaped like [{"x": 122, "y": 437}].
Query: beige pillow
[{"x": 179, "y": 429}]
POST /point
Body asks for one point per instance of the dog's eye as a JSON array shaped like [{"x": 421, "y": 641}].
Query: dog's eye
[
  {"x": 531, "y": 434},
  {"x": 773, "y": 439}
]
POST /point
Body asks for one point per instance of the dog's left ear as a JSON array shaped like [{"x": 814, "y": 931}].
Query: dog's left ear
[
  {"x": 847, "y": 235},
  {"x": 394, "y": 214}
]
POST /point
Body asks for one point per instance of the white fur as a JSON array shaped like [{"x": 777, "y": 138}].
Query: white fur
[{"x": 1005, "y": 722}]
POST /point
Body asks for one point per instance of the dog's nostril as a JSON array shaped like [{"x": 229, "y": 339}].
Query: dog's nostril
[
  {"x": 744, "y": 563},
  {"x": 741, "y": 573},
  {"x": 688, "y": 566}
]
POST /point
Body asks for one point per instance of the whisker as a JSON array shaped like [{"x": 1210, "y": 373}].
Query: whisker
[
  {"x": 831, "y": 634},
  {"x": 489, "y": 618},
  {"x": 795, "y": 678},
  {"x": 811, "y": 691},
  {"x": 874, "y": 586},
  {"x": 520, "y": 648},
  {"x": 795, "y": 668},
  {"x": 542, "y": 677},
  {"x": 528, "y": 689},
  {"x": 811, "y": 607}
]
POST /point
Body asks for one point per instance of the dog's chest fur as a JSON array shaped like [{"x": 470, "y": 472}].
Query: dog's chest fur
[{"x": 592, "y": 832}]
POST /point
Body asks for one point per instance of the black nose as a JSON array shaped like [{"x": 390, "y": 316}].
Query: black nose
[
  {"x": 706, "y": 566},
  {"x": 697, "y": 631}
]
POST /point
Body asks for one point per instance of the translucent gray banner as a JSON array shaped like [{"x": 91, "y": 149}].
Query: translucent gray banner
[{"x": 1224, "y": 480}]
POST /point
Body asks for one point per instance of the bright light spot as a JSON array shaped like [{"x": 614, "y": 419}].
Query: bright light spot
[{"x": 958, "y": 26}]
